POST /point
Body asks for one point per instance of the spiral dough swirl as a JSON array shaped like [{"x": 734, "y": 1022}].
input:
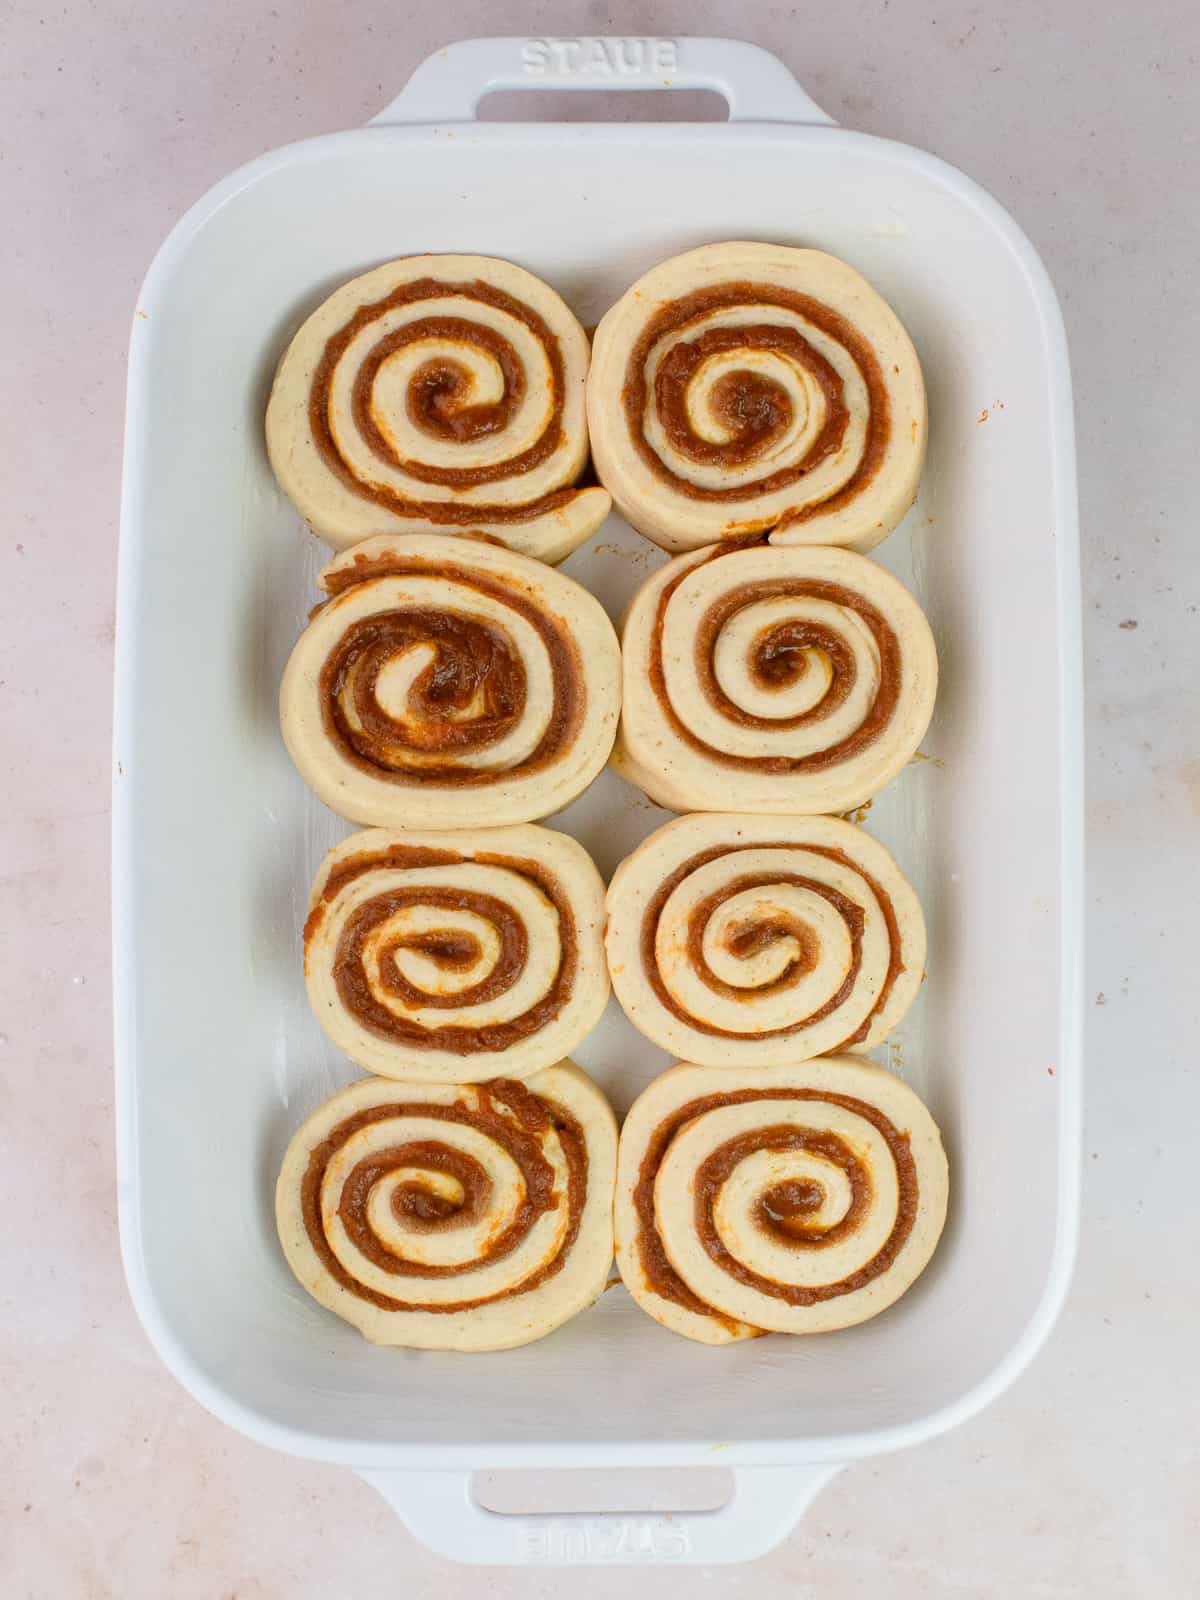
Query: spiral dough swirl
[
  {"x": 438, "y": 393},
  {"x": 794, "y": 680},
  {"x": 805, "y": 1198},
  {"x": 453, "y": 1217},
  {"x": 746, "y": 388},
  {"x": 432, "y": 957},
  {"x": 741, "y": 941},
  {"x": 448, "y": 683}
]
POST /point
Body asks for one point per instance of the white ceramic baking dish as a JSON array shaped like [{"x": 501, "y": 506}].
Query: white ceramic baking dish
[{"x": 216, "y": 838}]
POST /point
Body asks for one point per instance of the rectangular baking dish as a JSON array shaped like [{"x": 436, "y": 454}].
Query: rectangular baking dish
[{"x": 216, "y": 838}]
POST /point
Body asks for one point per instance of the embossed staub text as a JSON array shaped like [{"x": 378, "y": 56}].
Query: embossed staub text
[
  {"x": 602, "y": 1540},
  {"x": 599, "y": 58}
]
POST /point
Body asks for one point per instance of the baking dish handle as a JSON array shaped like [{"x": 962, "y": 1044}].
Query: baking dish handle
[
  {"x": 440, "y": 1509},
  {"x": 448, "y": 86}
]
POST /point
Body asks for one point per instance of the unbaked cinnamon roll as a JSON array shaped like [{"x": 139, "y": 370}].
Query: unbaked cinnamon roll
[
  {"x": 739, "y": 941},
  {"x": 450, "y": 958},
  {"x": 761, "y": 679},
  {"x": 450, "y": 683},
  {"x": 434, "y": 394},
  {"x": 795, "y": 1200},
  {"x": 746, "y": 388},
  {"x": 451, "y": 1217}
]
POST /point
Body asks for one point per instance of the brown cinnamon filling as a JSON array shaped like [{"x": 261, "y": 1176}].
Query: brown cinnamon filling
[
  {"x": 786, "y": 1207},
  {"x": 349, "y": 968},
  {"x": 751, "y": 938},
  {"x": 661, "y": 1276},
  {"x": 505, "y": 1111},
  {"x": 434, "y": 402},
  {"x": 417, "y": 1206},
  {"x": 350, "y": 867},
  {"x": 753, "y": 408},
  {"x": 434, "y": 399},
  {"x": 354, "y": 986},
  {"x": 781, "y": 658},
  {"x": 469, "y": 696},
  {"x": 766, "y": 667},
  {"x": 451, "y": 949}
]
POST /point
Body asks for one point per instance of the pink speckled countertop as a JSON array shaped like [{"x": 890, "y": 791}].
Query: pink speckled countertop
[{"x": 1080, "y": 117}]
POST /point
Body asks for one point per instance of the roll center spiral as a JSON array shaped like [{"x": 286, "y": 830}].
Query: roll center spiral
[
  {"x": 455, "y": 380},
  {"x": 785, "y": 652},
  {"x": 750, "y": 404},
  {"x": 758, "y": 937},
  {"x": 778, "y": 675},
  {"x": 451, "y": 948},
  {"x": 787, "y": 1207},
  {"x": 438, "y": 674},
  {"x": 431, "y": 371},
  {"x": 446, "y": 954},
  {"x": 388, "y": 1192},
  {"x": 761, "y": 385},
  {"x": 744, "y": 940},
  {"x": 415, "y": 680},
  {"x": 368, "y": 972},
  {"x": 432, "y": 1187}
]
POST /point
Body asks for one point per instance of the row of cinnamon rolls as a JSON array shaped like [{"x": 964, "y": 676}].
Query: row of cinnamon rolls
[
  {"x": 794, "y": 1199},
  {"x": 466, "y": 1195},
  {"x": 453, "y": 683},
  {"x": 731, "y": 941},
  {"x": 759, "y": 410},
  {"x": 738, "y": 388}
]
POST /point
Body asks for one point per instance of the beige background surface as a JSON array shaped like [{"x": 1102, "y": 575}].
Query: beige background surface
[{"x": 1081, "y": 118}]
